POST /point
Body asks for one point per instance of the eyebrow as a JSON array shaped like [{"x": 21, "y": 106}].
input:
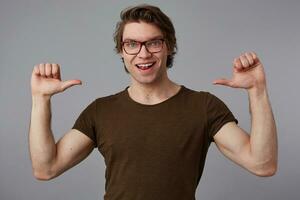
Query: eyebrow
[{"x": 154, "y": 38}]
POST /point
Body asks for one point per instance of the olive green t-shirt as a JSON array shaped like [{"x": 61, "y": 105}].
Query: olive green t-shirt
[{"x": 153, "y": 152}]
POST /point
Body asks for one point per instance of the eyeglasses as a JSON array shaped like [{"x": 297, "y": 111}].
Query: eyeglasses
[{"x": 133, "y": 47}]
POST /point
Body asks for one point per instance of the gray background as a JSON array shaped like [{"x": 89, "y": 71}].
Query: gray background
[{"x": 78, "y": 36}]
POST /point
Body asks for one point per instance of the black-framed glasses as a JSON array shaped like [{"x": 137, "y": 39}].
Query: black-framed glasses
[{"x": 133, "y": 47}]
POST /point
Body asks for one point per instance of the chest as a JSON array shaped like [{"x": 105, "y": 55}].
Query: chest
[{"x": 164, "y": 135}]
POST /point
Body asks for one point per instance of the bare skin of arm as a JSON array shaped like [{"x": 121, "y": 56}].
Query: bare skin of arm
[
  {"x": 256, "y": 152},
  {"x": 50, "y": 159}
]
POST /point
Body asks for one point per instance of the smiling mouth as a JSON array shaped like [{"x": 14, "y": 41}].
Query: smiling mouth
[{"x": 145, "y": 66}]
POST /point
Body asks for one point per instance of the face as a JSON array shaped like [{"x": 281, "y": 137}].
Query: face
[{"x": 141, "y": 32}]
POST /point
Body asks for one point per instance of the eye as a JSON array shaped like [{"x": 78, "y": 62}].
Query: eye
[
  {"x": 154, "y": 43},
  {"x": 131, "y": 44}
]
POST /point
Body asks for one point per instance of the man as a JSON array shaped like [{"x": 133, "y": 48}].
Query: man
[{"x": 154, "y": 135}]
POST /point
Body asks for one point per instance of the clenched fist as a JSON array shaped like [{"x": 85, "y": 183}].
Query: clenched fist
[
  {"x": 248, "y": 73},
  {"x": 46, "y": 80}
]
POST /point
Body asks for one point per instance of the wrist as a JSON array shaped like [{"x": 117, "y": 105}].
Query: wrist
[
  {"x": 257, "y": 91},
  {"x": 40, "y": 97}
]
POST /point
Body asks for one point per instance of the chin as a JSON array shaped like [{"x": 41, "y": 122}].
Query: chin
[{"x": 145, "y": 80}]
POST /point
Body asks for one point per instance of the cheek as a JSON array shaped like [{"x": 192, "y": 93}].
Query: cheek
[
  {"x": 127, "y": 59},
  {"x": 163, "y": 58}
]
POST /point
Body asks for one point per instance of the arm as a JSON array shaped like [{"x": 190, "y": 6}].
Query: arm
[
  {"x": 50, "y": 159},
  {"x": 256, "y": 152}
]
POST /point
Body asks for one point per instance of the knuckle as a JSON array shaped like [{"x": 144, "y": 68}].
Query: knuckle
[
  {"x": 54, "y": 67},
  {"x": 249, "y": 57},
  {"x": 54, "y": 72},
  {"x": 243, "y": 61},
  {"x": 36, "y": 69},
  {"x": 48, "y": 69},
  {"x": 40, "y": 67},
  {"x": 235, "y": 62}
]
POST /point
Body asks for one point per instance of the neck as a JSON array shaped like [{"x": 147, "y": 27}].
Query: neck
[{"x": 153, "y": 93}]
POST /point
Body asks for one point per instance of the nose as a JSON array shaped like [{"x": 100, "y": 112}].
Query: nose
[{"x": 144, "y": 53}]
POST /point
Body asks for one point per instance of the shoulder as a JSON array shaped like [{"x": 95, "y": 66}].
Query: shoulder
[
  {"x": 109, "y": 102},
  {"x": 197, "y": 99},
  {"x": 106, "y": 99},
  {"x": 199, "y": 94},
  {"x": 204, "y": 99},
  {"x": 109, "y": 98}
]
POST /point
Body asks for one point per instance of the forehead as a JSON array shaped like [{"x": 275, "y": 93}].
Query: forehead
[{"x": 141, "y": 31}]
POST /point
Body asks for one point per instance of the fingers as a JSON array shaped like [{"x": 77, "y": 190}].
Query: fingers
[
  {"x": 36, "y": 70},
  {"x": 245, "y": 61},
  {"x": 56, "y": 71},
  {"x": 47, "y": 70},
  {"x": 249, "y": 58},
  {"x": 237, "y": 64},
  {"x": 42, "y": 70}
]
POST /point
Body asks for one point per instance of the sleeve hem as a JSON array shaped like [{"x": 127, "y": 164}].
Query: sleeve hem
[
  {"x": 84, "y": 133},
  {"x": 221, "y": 125}
]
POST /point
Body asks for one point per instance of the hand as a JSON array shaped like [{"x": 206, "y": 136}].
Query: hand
[
  {"x": 248, "y": 73},
  {"x": 46, "y": 80}
]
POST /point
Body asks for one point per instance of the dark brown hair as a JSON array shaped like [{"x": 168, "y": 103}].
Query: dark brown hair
[{"x": 149, "y": 14}]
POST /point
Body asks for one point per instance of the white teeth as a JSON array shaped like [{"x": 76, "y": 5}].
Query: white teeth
[{"x": 145, "y": 65}]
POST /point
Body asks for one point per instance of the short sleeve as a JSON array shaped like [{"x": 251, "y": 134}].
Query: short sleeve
[
  {"x": 218, "y": 114},
  {"x": 85, "y": 123}
]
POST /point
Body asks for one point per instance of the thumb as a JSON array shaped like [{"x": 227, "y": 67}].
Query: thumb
[
  {"x": 223, "y": 81},
  {"x": 70, "y": 83}
]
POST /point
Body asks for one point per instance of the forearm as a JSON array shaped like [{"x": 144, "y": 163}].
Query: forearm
[
  {"x": 41, "y": 140},
  {"x": 263, "y": 138}
]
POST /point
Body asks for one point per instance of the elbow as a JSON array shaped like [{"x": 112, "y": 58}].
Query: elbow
[
  {"x": 266, "y": 170},
  {"x": 42, "y": 175}
]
